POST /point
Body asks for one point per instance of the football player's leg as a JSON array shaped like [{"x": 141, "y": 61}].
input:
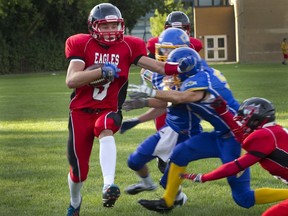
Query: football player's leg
[
  {"x": 242, "y": 193},
  {"x": 197, "y": 147},
  {"x": 269, "y": 195},
  {"x": 79, "y": 148},
  {"x": 137, "y": 161},
  {"x": 105, "y": 126}
]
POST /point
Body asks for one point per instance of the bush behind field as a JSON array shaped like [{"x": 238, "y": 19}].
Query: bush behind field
[
  {"x": 33, "y": 128},
  {"x": 45, "y": 53}
]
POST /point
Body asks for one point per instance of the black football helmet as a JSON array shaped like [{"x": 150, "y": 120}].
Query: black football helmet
[
  {"x": 106, "y": 13},
  {"x": 254, "y": 113},
  {"x": 178, "y": 19}
]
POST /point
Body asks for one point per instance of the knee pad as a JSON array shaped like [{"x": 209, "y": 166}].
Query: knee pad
[{"x": 134, "y": 162}]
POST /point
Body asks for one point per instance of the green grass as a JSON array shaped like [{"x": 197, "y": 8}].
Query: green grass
[{"x": 33, "y": 133}]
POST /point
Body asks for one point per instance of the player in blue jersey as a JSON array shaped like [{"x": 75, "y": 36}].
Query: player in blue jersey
[
  {"x": 180, "y": 122},
  {"x": 197, "y": 92}
]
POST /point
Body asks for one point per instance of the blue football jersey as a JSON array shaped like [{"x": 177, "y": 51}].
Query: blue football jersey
[
  {"x": 179, "y": 117},
  {"x": 182, "y": 120},
  {"x": 214, "y": 82}
]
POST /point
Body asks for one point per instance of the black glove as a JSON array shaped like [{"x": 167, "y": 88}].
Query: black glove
[{"x": 128, "y": 124}]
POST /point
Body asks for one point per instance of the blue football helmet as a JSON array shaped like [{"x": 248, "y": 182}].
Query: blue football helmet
[
  {"x": 177, "y": 54},
  {"x": 169, "y": 40}
]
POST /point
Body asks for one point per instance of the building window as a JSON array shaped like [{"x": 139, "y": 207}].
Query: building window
[
  {"x": 203, "y": 3},
  {"x": 215, "y": 48}
]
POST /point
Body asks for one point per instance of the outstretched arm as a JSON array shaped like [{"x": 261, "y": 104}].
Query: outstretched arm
[
  {"x": 226, "y": 170},
  {"x": 167, "y": 68},
  {"x": 173, "y": 96},
  {"x": 151, "y": 114}
]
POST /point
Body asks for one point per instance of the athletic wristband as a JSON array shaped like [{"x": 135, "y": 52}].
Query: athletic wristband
[{"x": 171, "y": 68}]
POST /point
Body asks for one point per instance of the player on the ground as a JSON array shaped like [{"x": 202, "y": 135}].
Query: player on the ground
[
  {"x": 98, "y": 72},
  {"x": 265, "y": 142},
  {"x": 197, "y": 92}
]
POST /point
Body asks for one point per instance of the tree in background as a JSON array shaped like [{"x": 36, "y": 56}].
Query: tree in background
[
  {"x": 33, "y": 32},
  {"x": 132, "y": 10},
  {"x": 158, "y": 20}
]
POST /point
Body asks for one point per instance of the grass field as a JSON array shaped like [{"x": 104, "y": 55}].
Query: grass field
[{"x": 33, "y": 133}]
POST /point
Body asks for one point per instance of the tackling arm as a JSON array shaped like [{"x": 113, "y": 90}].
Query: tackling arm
[
  {"x": 177, "y": 97},
  {"x": 226, "y": 170},
  {"x": 231, "y": 168},
  {"x": 221, "y": 107}
]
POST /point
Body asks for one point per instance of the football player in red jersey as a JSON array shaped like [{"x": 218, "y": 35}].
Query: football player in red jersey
[
  {"x": 95, "y": 110},
  {"x": 176, "y": 19},
  {"x": 265, "y": 142}
]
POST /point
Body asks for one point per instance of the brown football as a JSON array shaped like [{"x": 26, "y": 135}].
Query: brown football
[{"x": 98, "y": 82}]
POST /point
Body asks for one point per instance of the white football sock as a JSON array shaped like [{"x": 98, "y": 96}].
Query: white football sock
[
  {"x": 75, "y": 195},
  {"x": 107, "y": 158}
]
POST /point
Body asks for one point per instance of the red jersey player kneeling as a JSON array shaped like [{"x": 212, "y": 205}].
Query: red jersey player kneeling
[{"x": 264, "y": 141}]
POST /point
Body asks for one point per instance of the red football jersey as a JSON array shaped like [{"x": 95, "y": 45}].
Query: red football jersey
[
  {"x": 195, "y": 43},
  {"x": 268, "y": 146},
  {"x": 112, "y": 94},
  {"x": 271, "y": 144}
]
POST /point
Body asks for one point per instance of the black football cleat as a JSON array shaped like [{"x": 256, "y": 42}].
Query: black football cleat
[
  {"x": 110, "y": 194},
  {"x": 156, "y": 205}
]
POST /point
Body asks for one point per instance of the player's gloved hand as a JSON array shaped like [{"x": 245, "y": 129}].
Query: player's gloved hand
[
  {"x": 186, "y": 64},
  {"x": 135, "y": 104},
  {"x": 193, "y": 177},
  {"x": 110, "y": 71},
  {"x": 141, "y": 91},
  {"x": 220, "y": 105},
  {"x": 128, "y": 124}
]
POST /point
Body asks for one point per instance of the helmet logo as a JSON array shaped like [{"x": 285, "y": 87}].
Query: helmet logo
[
  {"x": 184, "y": 38},
  {"x": 191, "y": 83},
  {"x": 250, "y": 109},
  {"x": 109, "y": 17},
  {"x": 176, "y": 24}
]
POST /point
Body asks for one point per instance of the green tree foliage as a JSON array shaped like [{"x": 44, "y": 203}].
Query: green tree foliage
[
  {"x": 132, "y": 10},
  {"x": 158, "y": 20},
  {"x": 33, "y": 32}
]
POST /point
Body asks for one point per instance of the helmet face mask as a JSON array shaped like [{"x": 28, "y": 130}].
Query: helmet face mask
[
  {"x": 169, "y": 40},
  {"x": 254, "y": 113},
  {"x": 171, "y": 82},
  {"x": 106, "y": 16}
]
